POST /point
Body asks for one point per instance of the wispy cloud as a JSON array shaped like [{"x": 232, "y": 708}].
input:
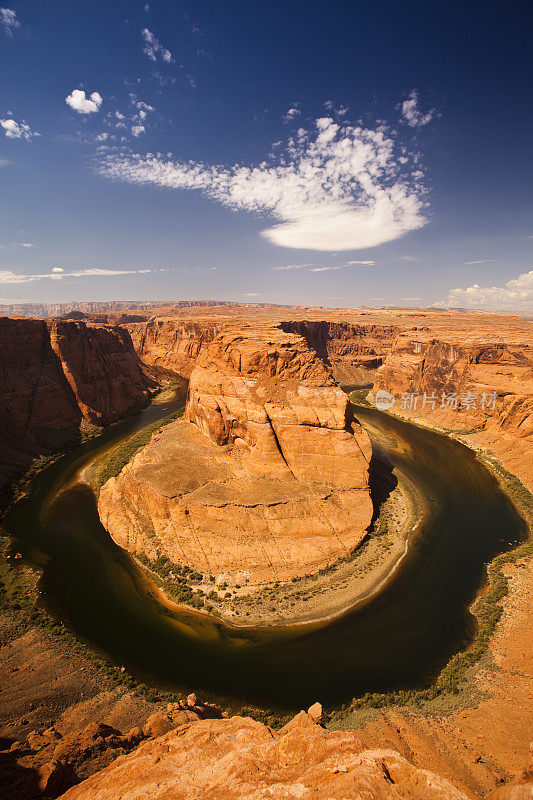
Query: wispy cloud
[
  {"x": 314, "y": 268},
  {"x": 336, "y": 187},
  {"x": 292, "y": 266},
  {"x": 57, "y": 273},
  {"x": 17, "y": 244},
  {"x": 340, "y": 112},
  {"x": 292, "y": 113},
  {"x": 9, "y": 21},
  {"x": 153, "y": 47},
  {"x": 362, "y": 263},
  {"x": 515, "y": 295},
  {"x": 343, "y": 266},
  {"x": 17, "y": 130},
  {"x": 412, "y": 114},
  {"x": 480, "y": 261},
  {"x": 78, "y": 101},
  {"x": 250, "y": 294}
]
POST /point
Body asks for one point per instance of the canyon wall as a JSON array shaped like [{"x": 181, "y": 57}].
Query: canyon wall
[
  {"x": 266, "y": 479},
  {"x": 487, "y": 388},
  {"x": 58, "y": 379},
  {"x": 473, "y": 355},
  {"x": 353, "y": 351},
  {"x": 172, "y": 343}
]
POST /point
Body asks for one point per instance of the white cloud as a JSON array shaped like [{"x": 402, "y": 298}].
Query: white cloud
[
  {"x": 343, "y": 266},
  {"x": 515, "y": 295},
  {"x": 480, "y": 261},
  {"x": 293, "y": 266},
  {"x": 153, "y": 48},
  {"x": 292, "y": 113},
  {"x": 57, "y": 273},
  {"x": 17, "y": 244},
  {"x": 313, "y": 268},
  {"x": 363, "y": 263},
  {"x": 8, "y": 20},
  {"x": 102, "y": 137},
  {"x": 82, "y": 104},
  {"x": 339, "y": 187},
  {"x": 412, "y": 114},
  {"x": 340, "y": 112},
  {"x": 17, "y": 130},
  {"x": 250, "y": 294},
  {"x": 137, "y": 129}
]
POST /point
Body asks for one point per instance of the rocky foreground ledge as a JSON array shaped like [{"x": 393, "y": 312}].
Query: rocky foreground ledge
[{"x": 241, "y": 759}]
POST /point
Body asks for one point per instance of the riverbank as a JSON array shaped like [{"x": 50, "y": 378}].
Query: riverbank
[
  {"x": 475, "y": 722},
  {"x": 316, "y": 597}
]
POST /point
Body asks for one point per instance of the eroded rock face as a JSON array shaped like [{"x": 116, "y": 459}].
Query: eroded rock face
[
  {"x": 172, "y": 343},
  {"x": 58, "y": 378},
  {"x": 354, "y": 352},
  {"x": 266, "y": 480},
  {"x": 493, "y": 384},
  {"x": 241, "y": 759},
  {"x": 267, "y": 393}
]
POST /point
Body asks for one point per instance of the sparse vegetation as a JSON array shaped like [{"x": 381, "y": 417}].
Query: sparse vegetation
[
  {"x": 358, "y": 395},
  {"x": 488, "y": 610},
  {"x": 115, "y": 462},
  {"x": 175, "y": 579}
]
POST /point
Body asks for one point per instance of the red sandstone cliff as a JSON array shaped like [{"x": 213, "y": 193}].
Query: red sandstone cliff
[
  {"x": 403, "y": 351},
  {"x": 278, "y": 484},
  {"x": 354, "y": 352},
  {"x": 172, "y": 343},
  {"x": 59, "y": 378},
  {"x": 487, "y": 387}
]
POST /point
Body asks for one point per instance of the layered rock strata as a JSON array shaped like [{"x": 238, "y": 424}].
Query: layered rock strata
[
  {"x": 354, "y": 352},
  {"x": 172, "y": 343},
  {"x": 485, "y": 388},
  {"x": 266, "y": 479},
  {"x": 58, "y": 379}
]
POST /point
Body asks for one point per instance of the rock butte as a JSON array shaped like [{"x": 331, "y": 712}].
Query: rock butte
[{"x": 266, "y": 479}]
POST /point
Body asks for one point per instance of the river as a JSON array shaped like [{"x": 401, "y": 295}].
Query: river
[{"x": 398, "y": 638}]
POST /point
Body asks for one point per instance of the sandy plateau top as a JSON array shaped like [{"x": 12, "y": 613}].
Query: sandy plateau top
[
  {"x": 458, "y": 327},
  {"x": 180, "y": 462}
]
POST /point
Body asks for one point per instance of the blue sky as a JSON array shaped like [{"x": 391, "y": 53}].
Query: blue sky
[{"x": 328, "y": 153}]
